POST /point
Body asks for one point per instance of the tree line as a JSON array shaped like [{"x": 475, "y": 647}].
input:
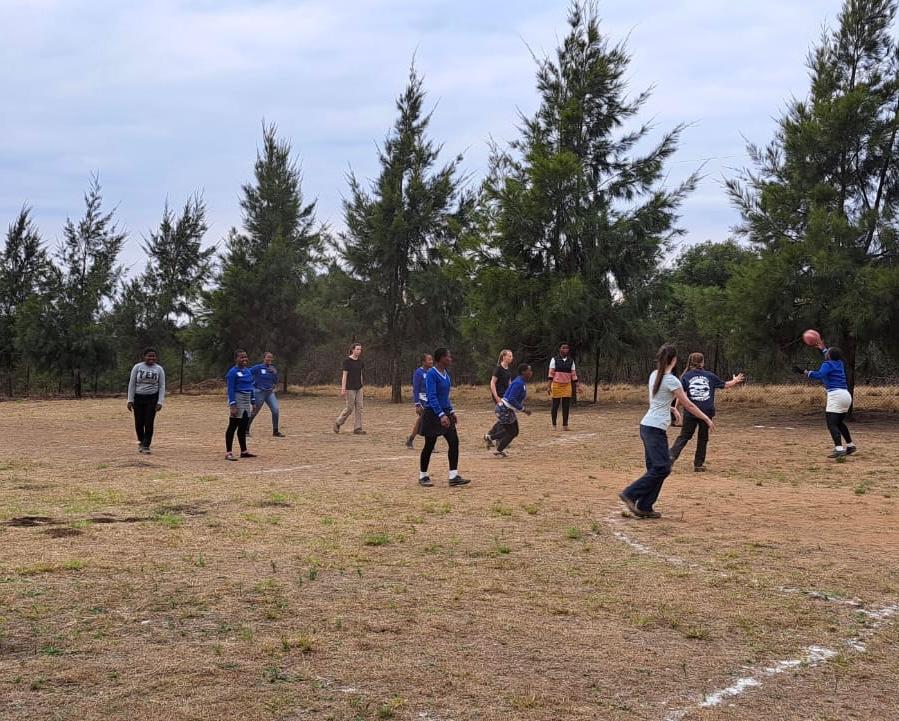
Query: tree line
[{"x": 572, "y": 235}]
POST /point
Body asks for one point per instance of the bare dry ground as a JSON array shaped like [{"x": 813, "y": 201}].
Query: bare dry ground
[{"x": 318, "y": 581}]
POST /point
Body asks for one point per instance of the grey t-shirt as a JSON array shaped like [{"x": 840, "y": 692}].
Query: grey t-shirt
[
  {"x": 659, "y": 413},
  {"x": 147, "y": 380}
]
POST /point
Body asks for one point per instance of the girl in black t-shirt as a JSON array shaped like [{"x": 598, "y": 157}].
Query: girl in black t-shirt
[
  {"x": 351, "y": 389},
  {"x": 502, "y": 377}
]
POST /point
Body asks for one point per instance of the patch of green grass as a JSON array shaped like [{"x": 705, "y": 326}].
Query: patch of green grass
[
  {"x": 73, "y": 564},
  {"x": 89, "y": 501},
  {"x": 501, "y": 549},
  {"x": 312, "y": 574},
  {"x": 327, "y": 521},
  {"x": 532, "y": 509},
  {"x": 169, "y": 520},
  {"x": 861, "y": 489},
  {"x": 437, "y": 509},
  {"x": 376, "y": 539},
  {"x": 574, "y": 533},
  {"x": 277, "y": 499},
  {"x": 501, "y": 510},
  {"x": 273, "y": 674},
  {"x": 206, "y": 479},
  {"x": 304, "y": 643},
  {"x": 51, "y": 650},
  {"x": 39, "y": 568}
]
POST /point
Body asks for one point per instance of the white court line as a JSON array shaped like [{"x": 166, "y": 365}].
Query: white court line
[{"x": 811, "y": 657}]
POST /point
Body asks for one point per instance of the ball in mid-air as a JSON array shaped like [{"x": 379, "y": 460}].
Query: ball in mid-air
[{"x": 811, "y": 337}]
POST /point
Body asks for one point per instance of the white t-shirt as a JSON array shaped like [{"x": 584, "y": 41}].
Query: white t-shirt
[{"x": 659, "y": 413}]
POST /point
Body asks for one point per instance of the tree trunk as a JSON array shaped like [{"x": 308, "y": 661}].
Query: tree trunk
[
  {"x": 27, "y": 378},
  {"x": 181, "y": 373},
  {"x": 396, "y": 389},
  {"x": 284, "y": 381},
  {"x": 77, "y": 383},
  {"x": 596, "y": 379}
]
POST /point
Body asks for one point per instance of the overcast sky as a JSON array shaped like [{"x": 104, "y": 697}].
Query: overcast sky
[{"x": 165, "y": 98}]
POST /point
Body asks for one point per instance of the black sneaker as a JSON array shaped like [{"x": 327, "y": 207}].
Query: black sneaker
[
  {"x": 650, "y": 514},
  {"x": 426, "y": 482},
  {"x": 850, "y": 450},
  {"x": 699, "y": 469},
  {"x": 489, "y": 441},
  {"x": 838, "y": 454},
  {"x": 278, "y": 434},
  {"x": 359, "y": 432},
  {"x": 410, "y": 443},
  {"x": 459, "y": 481},
  {"x": 247, "y": 454},
  {"x": 630, "y": 503},
  {"x": 500, "y": 454}
]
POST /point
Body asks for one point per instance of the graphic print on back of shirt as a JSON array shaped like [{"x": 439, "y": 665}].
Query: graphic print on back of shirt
[{"x": 699, "y": 389}]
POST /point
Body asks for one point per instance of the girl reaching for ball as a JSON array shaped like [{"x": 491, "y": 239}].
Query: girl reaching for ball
[{"x": 832, "y": 375}]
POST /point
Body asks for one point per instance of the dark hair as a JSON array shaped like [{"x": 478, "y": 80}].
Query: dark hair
[
  {"x": 564, "y": 342},
  {"x": 440, "y": 353},
  {"x": 238, "y": 352},
  {"x": 666, "y": 354},
  {"x": 523, "y": 367},
  {"x": 423, "y": 356},
  {"x": 834, "y": 354},
  {"x": 355, "y": 345},
  {"x": 695, "y": 361},
  {"x": 150, "y": 350}
]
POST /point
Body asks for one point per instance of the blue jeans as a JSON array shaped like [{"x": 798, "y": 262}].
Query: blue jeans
[
  {"x": 645, "y": 490},
  {"x": 271, "y": 400}
]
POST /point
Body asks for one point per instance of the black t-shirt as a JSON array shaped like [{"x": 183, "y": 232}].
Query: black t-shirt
[
  {"x": 503, "y": 379},
  {"x": 353, "y": 370}
]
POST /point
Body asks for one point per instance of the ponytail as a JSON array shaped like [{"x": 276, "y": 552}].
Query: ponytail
[
  {"x": 695, "y": 361},
  {"x": 666, "y": 354}
]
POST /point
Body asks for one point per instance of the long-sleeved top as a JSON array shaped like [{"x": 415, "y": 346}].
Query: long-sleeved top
[
  {"x": 147, "y": 380},
  {"x": 515, "y": 394},
  {"x": 437, "y": 388},
  {"x": 240, "y": 380},
  {"x": 419, "y": 394},
  {"x": 265, "y": 376},
  {"x": 832, "y": 374}
]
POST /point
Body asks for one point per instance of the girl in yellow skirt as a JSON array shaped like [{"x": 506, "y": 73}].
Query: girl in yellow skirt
[{"x": 562, "y": 381}]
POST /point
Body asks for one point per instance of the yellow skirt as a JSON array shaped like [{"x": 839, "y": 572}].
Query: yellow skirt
[{"x": 560, "y": 390}]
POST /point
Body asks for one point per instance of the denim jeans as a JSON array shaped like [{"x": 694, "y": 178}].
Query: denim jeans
[
  {"x": 645, "y": 490},
  {"x": 271, "y": 400}
]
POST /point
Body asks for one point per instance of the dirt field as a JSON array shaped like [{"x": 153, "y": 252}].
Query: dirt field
[{"x": 318, "y": 581}]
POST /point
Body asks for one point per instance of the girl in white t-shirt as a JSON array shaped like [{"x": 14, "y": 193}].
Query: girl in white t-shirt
[{"x": 664, "y": 388}]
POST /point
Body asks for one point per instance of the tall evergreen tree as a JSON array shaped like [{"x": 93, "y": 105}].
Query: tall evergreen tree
[
  {"x": 400, "y": 235},
  {"x": 25, "y": 270},
  {"x": 64, "y": 325},
  {"x": 155, "y": 308},
  {"x": 575, "y": 217},
  {"x": 821, "y": 203},
  {"x": 266, "y": 269}
]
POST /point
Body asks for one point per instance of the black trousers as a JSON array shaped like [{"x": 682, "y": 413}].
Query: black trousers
[
  {"x": 144, "y": 417},
  {"x": 836, "y": 424},
  {"x": 691, "y": 423},
  {"x": 509, "y": 434},
  {"x": 240, "y": 425},
  {"x": 566, "y": 406},
  {"x": 452, "y": 439}
]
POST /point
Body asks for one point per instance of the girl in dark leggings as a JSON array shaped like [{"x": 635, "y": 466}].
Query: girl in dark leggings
[
  {"x": 439, "y": 419},
  {"x": 146, "y": 394},
  {"x": 839, "y": 401},
  {"x": 562, "y": 381},
  {"x": 241, "y": 404}
]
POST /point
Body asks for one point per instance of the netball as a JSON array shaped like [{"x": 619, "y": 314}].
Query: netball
[{"x": 811, "y": 337}]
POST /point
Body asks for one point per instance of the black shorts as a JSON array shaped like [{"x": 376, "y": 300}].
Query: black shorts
[{"x": 431, "y": 426}]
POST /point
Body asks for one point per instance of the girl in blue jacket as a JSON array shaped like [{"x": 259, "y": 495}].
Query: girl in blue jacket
[
  {"x": 512, "y": 401},
  {"x": 241, "y": 404},
  {"x": 419, "y": 395},
  {"x": 439, "y": 419},
  {"x": 832, "y": 375}
]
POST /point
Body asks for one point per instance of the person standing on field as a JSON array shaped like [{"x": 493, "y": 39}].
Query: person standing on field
[
  {"x": 832, "y": 374},
  {"x": 502, "y": 376},
  {"x": 265, "y": 376},
  {"x": 664, "y": 388},
  {"x": 241, "y": 404},
  {"x": 351, "y": 389},
  {"x": 562, "y": 381},
  {"x": 439, "y": 419},
  {"x": 700, "y": 386},
  {"x": 146, "y": 394},
  {"x": 419, "y": 395}
]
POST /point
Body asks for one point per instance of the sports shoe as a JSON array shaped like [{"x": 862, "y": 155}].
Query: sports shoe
[
  {"x": 247, "y": 454},
  {"x": 426, "y": 482},
  {"x": 699, "y": 469},
  {"x": 500, "y": 454},
  {"x": 249, "y": 435},
  {"x": 489, "y": 441},
  {"x": 838, "y": 454},
  {"x": 230, "y": 457},
  {"x": 278, "y": 434},
  {"x": 410, "y": 442},
  {"x": 337, "y": 428},
  {"x": 359, "y": 432},
  {"x": 850, "y": 450},
  {"x": 147, "y": 450},
  {"x": 141, "y": 449},
  {"x": 630, "y": 503},
  {"x": 459, "y": 481},
  {"x": 650, "y": 514}
]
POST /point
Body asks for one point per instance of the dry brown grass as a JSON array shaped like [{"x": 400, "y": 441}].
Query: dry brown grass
[{"x": 320, "y": 582}]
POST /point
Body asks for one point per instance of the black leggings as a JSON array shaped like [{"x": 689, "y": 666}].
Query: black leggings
[
  {"x": 240, "y": 425},
  {"x": 452, "y": 439},
  {"x": 509, "y": 434},
  {"x": 566, "y": 406},
  {"x": 836, "y": 424},
  {"x": 144, "y": 416}
]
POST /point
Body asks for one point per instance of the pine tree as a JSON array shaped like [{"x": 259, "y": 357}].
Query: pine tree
[
  {"x": 266, "y": 269},
  {"x": 575, "y": 217},
  {"x": 24, "y": 272},
  {"x": 63, "y": 327},
  {"x": 400, "y": 234},
  {"x": 821, "y": 202}
]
